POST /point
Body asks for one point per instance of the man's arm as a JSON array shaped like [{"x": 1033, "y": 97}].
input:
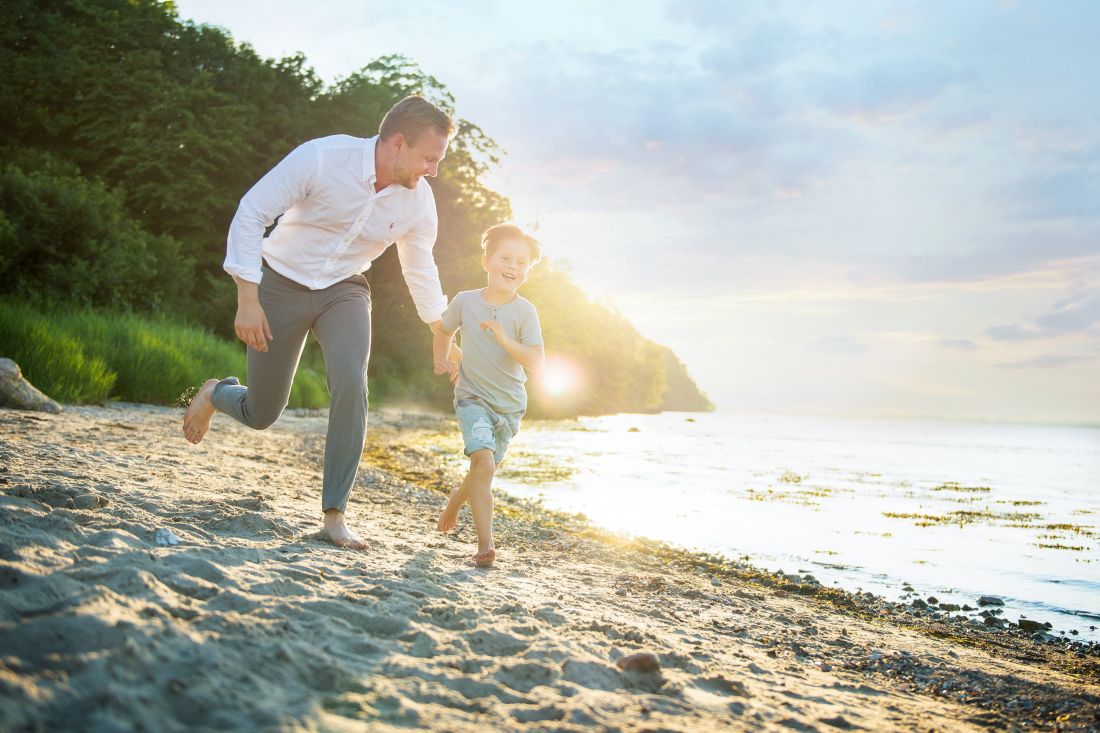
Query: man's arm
[
  {"x": 284, "y": 185},
  {"x": 414, "y": 250},
  {"x": 442, "y": 341},
  {"x": 250, "y": 324}
]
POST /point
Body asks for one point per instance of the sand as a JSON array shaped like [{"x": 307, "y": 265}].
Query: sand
[{"x": 252, "y": 623}]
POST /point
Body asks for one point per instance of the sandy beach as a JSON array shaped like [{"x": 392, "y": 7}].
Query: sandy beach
[{"x": 250, "y": 622}]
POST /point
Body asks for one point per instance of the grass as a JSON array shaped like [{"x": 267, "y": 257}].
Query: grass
[{"x": 88, "y": 356}]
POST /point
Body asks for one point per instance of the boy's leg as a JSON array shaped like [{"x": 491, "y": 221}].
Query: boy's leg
[
  {"x": 476, "y": 423},
  {"x": 480, "y": 486},
  {"x": 270, "y": 373},
  {"x": 343, "y": 330}
]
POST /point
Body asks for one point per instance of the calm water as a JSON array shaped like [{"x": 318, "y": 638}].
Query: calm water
[{"x": 957, "y": 510}]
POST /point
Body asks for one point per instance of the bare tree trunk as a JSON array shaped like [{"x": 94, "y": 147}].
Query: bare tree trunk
[{"x": 19, "y": 393}]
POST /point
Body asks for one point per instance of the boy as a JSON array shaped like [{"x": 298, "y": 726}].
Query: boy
[{"x": 500, "y": 339}]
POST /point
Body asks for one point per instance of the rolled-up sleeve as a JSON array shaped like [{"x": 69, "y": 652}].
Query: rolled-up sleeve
[
  {"x": 418, "y": 265},
  {"x": 290, "y": 181}
]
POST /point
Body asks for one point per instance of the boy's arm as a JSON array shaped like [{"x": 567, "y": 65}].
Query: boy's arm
[{"x": 530, "y": 358}]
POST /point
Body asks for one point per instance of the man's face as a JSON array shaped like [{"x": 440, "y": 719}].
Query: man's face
[{"x": 419, "y": 159}]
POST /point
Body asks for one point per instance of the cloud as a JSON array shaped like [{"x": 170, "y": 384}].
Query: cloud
[
  {"x": 1079, "y": 313},
  {"x": 1047, "y": 361},
  {"x": 841, "y": 345},
  {"x": 960, "y": 344},
  {"x": 889, "y": 90}
]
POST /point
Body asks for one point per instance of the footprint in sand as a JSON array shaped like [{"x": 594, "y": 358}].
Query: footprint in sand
[
  {"x": 450, "y": 617},
  {"x": 496, "y": 643},
  {"x": 593, "y": 675},
  {"x": 525, "y": 676},
  {"x": 537, "y": 715}
]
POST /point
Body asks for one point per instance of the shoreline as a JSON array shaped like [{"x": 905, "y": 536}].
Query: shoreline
[
  {"x": 1080, "y": 634},
  {"x": 414, "y": 635}
]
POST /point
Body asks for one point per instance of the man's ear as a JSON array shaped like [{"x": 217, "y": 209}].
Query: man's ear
[
  {"x": 399, "y": 140},
  {"x": 485, "y": 262}
]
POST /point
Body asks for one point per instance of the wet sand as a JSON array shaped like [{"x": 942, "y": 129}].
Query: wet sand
[{"x": 252, "y": 623}]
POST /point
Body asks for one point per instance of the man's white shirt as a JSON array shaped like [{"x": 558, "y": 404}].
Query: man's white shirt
[{"x": 334, "y": 224}]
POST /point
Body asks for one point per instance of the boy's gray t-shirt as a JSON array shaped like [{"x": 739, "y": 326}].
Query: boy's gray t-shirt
[{"x": 487, "y": 370}]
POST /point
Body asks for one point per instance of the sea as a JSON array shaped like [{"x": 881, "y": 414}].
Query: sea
[{"x": 953, "y": 510}]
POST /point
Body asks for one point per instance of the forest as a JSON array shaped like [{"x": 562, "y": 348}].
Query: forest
[{"x": 129, "y": 136}]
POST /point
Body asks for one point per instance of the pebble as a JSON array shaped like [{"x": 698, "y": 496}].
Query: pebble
[
  {"x": 165, "y": 537},
  {"x": 640, "y": 661},
  {"x": 86, "y": 501}
]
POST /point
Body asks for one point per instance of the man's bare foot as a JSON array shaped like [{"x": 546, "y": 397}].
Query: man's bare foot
[
  {"x": 484, "y": 558},
  {"x": 196, "y": 421},
  {"x": 337, "y": 532},
  {"x": 448, "y": 518}
]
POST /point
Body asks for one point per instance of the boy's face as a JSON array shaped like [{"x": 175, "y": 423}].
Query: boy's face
[{"x": 508, "y": 266}]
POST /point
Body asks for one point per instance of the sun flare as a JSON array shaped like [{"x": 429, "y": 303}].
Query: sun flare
[{"x": 560, "y": 376}]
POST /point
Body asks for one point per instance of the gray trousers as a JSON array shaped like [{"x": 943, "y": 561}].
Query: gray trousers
[{"x": 339, "y": 317}]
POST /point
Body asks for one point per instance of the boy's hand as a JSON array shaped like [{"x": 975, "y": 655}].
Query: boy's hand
[{"x": 497, "y": 331}]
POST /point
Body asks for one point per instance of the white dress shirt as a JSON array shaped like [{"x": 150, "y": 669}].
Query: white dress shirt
[{"x": 334, "y": 223}]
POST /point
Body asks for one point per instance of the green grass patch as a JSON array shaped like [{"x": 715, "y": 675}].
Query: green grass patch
[{"x": 86, "y": 356}]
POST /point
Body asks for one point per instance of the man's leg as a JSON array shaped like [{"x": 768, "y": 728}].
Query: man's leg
[
  {"x": 343, "y": 330},
  {"x": 289, "y": 312}
]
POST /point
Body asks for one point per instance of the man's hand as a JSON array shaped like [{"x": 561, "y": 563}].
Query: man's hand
[
  {"x": 251, "y": 322},
  {"x": 442, "y": 340},
  {"x": 455, "y": 358}
]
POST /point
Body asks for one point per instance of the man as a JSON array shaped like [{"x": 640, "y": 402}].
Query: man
[{"x": 343, "y": 201}]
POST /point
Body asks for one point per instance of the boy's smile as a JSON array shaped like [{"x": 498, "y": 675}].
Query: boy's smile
[{"x": 508, "y": 266}]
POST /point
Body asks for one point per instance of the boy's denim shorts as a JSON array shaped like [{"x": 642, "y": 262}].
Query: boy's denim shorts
[{"x": 484, "y": 427}]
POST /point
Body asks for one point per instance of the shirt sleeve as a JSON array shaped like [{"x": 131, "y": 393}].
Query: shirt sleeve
[
  {"x": 530, "y": 331},
  {"x": 452, "y": 316},
  {"x": 290, "y": 181},
  {"x": 414, "y": 249}
]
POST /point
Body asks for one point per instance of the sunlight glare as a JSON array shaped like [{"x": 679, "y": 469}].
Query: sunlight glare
[{"x": 560, "y": 376}]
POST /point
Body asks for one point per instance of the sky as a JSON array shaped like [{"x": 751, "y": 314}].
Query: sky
[{"x": 868, "y": 208}]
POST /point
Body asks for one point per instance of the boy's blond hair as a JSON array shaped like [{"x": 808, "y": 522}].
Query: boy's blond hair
[{"x": 497, "y": 233}]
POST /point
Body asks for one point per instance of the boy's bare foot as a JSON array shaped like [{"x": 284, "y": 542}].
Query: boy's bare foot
[
  {"x": 337, "y": 532},
  {"x": 196, "y": 421},
  {"x": 448, "y": 518},
  {"x": 484, "y": 558}
]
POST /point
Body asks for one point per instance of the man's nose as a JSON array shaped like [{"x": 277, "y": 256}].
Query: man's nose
[{"x": 433, "y": 168}]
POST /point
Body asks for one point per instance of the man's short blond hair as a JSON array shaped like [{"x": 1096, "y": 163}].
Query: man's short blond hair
[
  {"x": 497, "y": 233},
  {"x": 412, "y": 117}
]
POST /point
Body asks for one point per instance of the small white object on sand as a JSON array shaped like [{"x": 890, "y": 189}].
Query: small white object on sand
[{"x": 165, "y": 537}]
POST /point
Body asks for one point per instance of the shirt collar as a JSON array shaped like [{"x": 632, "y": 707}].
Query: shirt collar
[{"x": 369, "y": 173}]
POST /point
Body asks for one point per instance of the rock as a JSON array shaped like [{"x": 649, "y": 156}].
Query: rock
[
  {"x": 640, "y": 661},
  {"x": 948, "y": 607},
  {"x": 968, "y": 607},
  {"x": 838, "y": 722},
  {"x": 918, "y": 603},
  {"x": 165, "y": 537},
  {"x": 86, "y": 501},
  {"x": 634, "y": 430},
  {"x": 990, "y": 601},
  {"x": 932, "y": 600},
  {"x": 17, "y": 392},
  {"x": 1027, "y": 624}
]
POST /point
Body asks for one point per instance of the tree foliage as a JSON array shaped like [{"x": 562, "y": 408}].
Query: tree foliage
[{"x": 129, "y": 136}]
